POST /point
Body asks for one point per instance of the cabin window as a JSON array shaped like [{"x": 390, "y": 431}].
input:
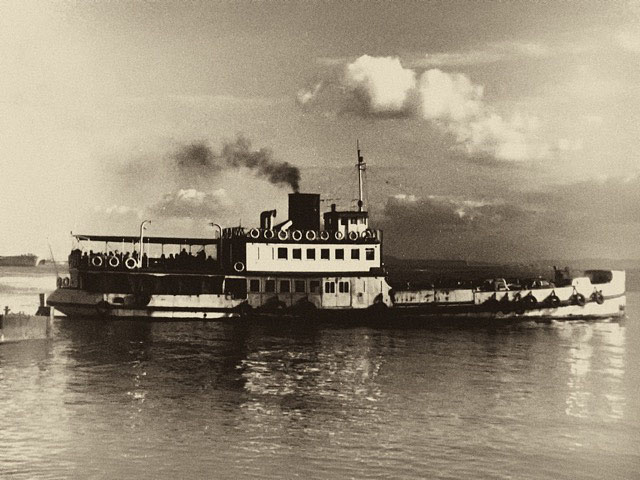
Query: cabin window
[
  {"x": 355, "y": 254},
  {"x": 270, "y": 286},
  {"x": 296, "y": 254},
  {"x": 299, "y": 286},
  {"x": 282, "y": 253},
  {"x": 314, "y": 286},
  {"x": 329, "y": 287},
  {"x": 370, "y": 253},
  {"x": 353, "y": 221},
  {"x": 343, "y": 221},
  {"x": 311, "y": 253},
  {"x": 343, "y": 287},
  {"x": 285, "y": 286},
  {"x": 339, "y": 253},
  {"x": 324, "y": 254},
  {"x": 254, "y": 285},
  {"x": 236, "y": 287}
]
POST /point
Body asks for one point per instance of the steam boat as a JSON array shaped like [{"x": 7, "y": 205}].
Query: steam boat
[{"x": 298, "y": 268}]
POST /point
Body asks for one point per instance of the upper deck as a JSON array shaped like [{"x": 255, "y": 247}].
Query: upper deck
[{"x": 342, "y": 243}]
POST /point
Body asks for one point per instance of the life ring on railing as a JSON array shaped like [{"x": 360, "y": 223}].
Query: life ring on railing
[
  {"x": 579, "y": 299},
  {"x": 254, "y": 233},
  {"x": 324, "y": 235},
  {"x": 353, "y": 236},
  {"x": 268, "y": 234},
  {"x": 97, "y": 261},
  {"x": 65, "y": 282},
  {"x": 58, "y": 282},
  {"x": 310, "y": 235},
  {"x": 529, "y": 301},
  {"x": 114, "y": 261},
  {"x": 553, "y": 300},
  {"x": 598, "y": 297},
  {"x": 238, "y": 267},
  {"x": 283, "y": 235},
  {"x": 296, "y": 235},
  {"x": 130, "y": 263},
  {"x": 338, "y": 235}
]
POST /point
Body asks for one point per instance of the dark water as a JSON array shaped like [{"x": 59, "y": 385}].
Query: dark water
[{"x": 280, "y": 400}]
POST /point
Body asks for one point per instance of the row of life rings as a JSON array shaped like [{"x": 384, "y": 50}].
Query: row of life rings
[
  {"x": 553, "y": 301},
  {"x": 114, "y": 262},
  {"x": 311, "y": 235},
  {"x": 62, "y": 282}
]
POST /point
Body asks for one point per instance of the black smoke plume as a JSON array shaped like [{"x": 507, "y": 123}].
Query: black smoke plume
[{"x": 198, "y": 159}]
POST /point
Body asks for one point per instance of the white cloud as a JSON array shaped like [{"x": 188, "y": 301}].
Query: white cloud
[
  {"x": 381, "y": 86},
  {"x": 385, "y": 81},
  {"x": 306, "y": 96},
  {"x": 447, "y": 96},
  {"x": 191, "y": 203}
]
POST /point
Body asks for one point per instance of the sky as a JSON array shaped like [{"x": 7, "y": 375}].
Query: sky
[{"x": 493, "y": 131}]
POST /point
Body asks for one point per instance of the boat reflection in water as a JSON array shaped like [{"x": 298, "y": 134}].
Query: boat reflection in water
[{"x": 257, "y": 398}]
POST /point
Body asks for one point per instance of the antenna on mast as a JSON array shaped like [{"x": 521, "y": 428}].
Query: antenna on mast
[{"x": 361, "y": 166}]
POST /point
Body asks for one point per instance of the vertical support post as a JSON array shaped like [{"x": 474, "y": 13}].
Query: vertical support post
[
  {"x": 361, "y": 166},
  {"x": 142, "y": 227}
]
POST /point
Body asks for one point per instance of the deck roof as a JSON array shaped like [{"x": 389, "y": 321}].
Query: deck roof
[{"x": 158, "y": 240}]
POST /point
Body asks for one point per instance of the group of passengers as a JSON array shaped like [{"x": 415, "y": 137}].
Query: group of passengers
[{"x": 128, "y": 261}]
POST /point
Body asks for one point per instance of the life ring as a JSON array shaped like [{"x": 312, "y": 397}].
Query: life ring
[
  {"x": 338, "y": 235},
  {"x": 65, "y": 282},
  {"x": 130, "y": 263},
  {"x": 353, "y": 236},
  {"x": 238, "y": 266},
  {"x": 310, "y": 235},
  {"x": 579, "y": 299},
  {"x": 58, "y": 282},
  {"x": 269, "y": 234},
  {"x": 254, "y": 233},
  {"x": 283, "y": 235},
  {"x": 114, "y": 261},
  {"x": 530, "y": 301},
  {"x": 324, "y": 235},
  {"x": 553, "y": 300},
  {"x": 598, "y": 297},
  {"x": 368, "y": 234},
  {"x": 296, "y": 235},
  {"x": 97, "y": 261}
]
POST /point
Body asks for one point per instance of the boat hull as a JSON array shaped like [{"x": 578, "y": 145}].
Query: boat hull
[
  {"x": 81, "y": 304},
  {"x": 610, "y": 308}
]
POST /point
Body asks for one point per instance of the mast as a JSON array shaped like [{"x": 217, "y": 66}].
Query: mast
[{"x": 361, "y": 166}]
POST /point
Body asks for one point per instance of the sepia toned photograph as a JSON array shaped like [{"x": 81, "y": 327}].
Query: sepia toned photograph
[{"x": 319, "y": 239}]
